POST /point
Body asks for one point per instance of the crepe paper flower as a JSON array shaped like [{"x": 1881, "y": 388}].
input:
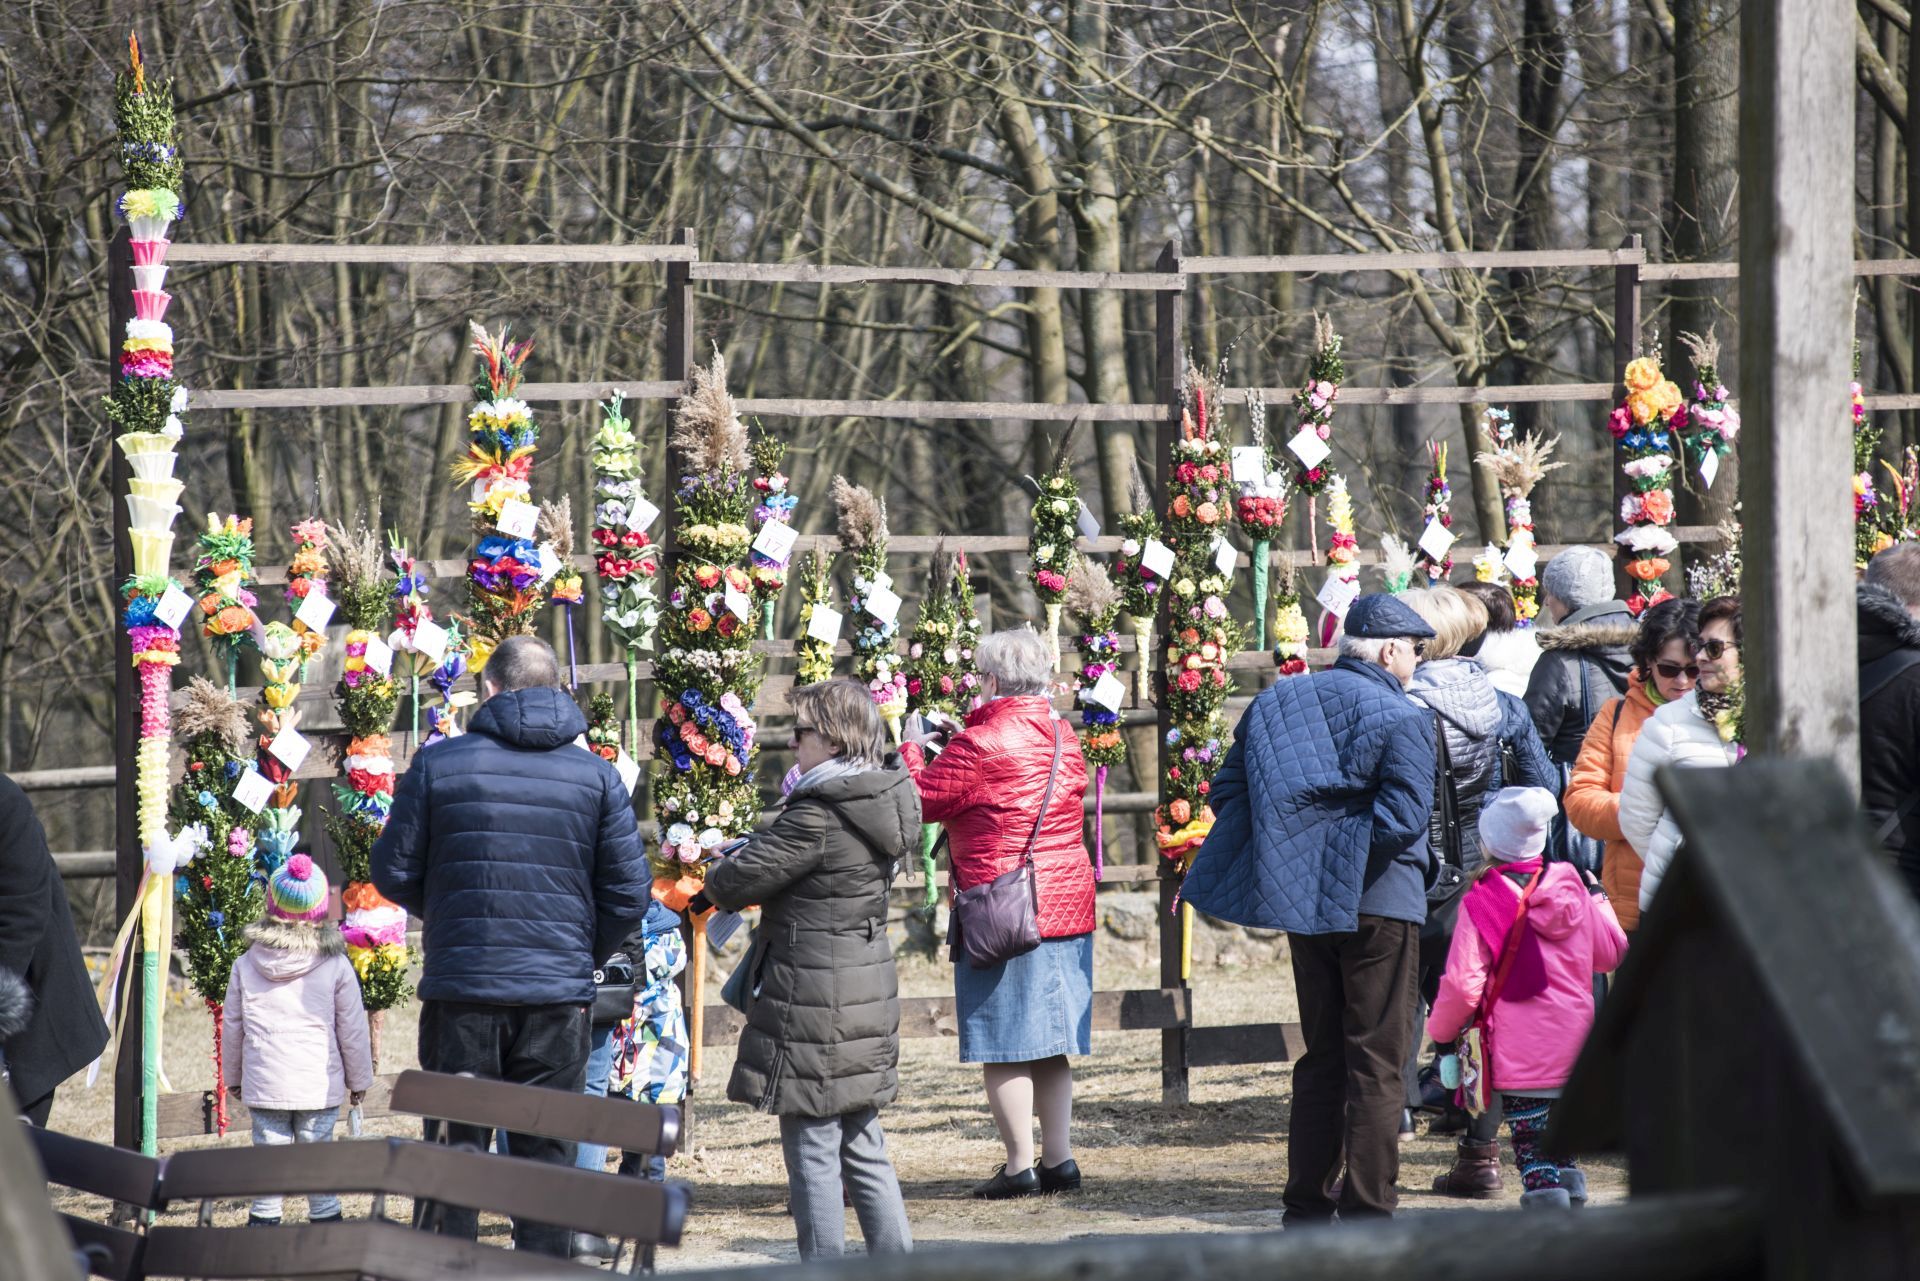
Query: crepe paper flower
[
  {"x": 706, "y": 671},
  {"x": 1314, "y": 402},
  {"x": 503, "y": 577},
  {"x": 1439, "y": 508},
  {"x": 1193, "y": 657},
  {"x": 1646, "y": 446},
  {"x": 1052, "y": 546}
]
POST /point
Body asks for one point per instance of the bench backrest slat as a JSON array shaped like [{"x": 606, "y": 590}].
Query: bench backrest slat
[
  {"x": 111, "y": 1252},
  {"x": 638, "y": 1128},
  {"x": 363, "y": 1248},
  {"x": 605, "y": 1204},
  {"x": 110, "y": 1172}
]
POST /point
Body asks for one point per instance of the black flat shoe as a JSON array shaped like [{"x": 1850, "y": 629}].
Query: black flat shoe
[
  {"x": 255, "y": 1221},
  {"x": 335, "y": 1217},
  {"x": 1008, "y": 1187},
  {"x": 1064, "y": 1177}
]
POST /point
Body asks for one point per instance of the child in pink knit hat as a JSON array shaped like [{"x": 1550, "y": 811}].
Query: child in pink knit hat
[{"x": 296, "y": 1032}]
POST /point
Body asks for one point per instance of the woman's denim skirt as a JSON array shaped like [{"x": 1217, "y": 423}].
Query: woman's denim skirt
[{"x": 1034, "y": 1006}]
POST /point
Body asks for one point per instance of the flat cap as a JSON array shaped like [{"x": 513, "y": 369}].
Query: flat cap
[{"x": 1378, "y": 616}]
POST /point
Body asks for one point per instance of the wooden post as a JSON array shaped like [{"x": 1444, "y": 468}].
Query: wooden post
[
  {"x": 126, "y": 720},
  {"x": 1169, "y": 330},
  {"x": 1796, "y": 460},
  {"x": 1626, "y": 342},
  {"x": 676, "y": 366}
]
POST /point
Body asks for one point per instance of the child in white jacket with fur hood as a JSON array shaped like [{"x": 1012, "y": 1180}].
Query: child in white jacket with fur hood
[
  {"x": 295, "y": 1029},
  {"x": 1690, "y": 732}
]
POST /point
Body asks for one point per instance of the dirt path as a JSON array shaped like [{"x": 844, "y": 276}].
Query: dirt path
[{"x": 1216, "y": 1164}]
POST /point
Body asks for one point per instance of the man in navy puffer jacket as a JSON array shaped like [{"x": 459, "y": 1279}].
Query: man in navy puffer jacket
[{"x": 518, "y": 848}]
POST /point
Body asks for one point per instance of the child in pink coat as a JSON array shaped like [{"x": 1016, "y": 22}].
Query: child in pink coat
[
  {"x": 1543, "y": 1012},
  {"x": 296, "y": 1032}
]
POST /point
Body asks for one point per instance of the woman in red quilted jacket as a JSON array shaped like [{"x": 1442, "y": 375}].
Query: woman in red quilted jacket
[{"x": 1023, "y": 1017}]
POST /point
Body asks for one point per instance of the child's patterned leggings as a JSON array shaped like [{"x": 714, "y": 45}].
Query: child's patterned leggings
[{"x": 1527, "y": 1119}]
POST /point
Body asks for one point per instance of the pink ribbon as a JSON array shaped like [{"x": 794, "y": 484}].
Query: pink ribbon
[{"x": 1099, "y": 825}]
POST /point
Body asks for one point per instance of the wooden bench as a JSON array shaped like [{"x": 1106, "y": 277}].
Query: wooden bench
[
  {"x": 579, "y": 1200},
  {"x": 128, "y": 1179}
]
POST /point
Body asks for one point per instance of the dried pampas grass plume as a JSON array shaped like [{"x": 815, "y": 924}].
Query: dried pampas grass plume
[
  {"x": 556, "y": 526},
  {"x": 707, "y": 431},
  {"x": 1396, "y": 561},
  {"x": 1521, "y": 466},
  {"x": 205, "y": 708},
  {"x": 1090, "y": 590},
  {"x": 355, "y": 557},
  {"x": 862, "y": 517},
  {"x": 1704, "y": 351}
]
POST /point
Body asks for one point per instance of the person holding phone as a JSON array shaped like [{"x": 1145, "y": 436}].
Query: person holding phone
[{"x": 821, "y": 1048}]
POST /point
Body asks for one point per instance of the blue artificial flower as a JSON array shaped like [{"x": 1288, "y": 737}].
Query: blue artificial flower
[
  {"x": 216, "y": 919},
  {"x": 233, "y": 769},
  {"x": 180, "y": 886},
  {"x": 208, "y": 799}
]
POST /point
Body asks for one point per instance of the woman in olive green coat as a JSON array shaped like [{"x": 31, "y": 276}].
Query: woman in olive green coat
[{"x": 821, "y": 1048}]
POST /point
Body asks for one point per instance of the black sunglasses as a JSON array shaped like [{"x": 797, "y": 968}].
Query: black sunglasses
[
  {"x": 1674, "y": 671},
  {"x": 1419, "y": 649},
  {"x": 1714, "y": 648}
]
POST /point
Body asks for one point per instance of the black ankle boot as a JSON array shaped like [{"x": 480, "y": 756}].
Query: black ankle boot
[{"x": 1007, "y": 1187}]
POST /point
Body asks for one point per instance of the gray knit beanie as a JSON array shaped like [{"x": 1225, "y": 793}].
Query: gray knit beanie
[{"x": 1579, "y": 576}]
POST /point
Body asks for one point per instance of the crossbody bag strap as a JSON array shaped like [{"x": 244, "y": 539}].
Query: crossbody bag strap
[
  {"x": 1053, "y": 773},
  {"x": 1449, "y": 798},
  {"x": 1509, "y": 949}
]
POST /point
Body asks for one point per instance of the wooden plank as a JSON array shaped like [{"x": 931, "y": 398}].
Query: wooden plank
[
  {"x": 32, "y": 1241},
  {"x": 809, "y": 273},
  {"x": 1169, "y": 361},
  {"x": 113, "y": 1252},
  {"x": 1796, "y": 320},
  {"x": 55, "y": 780},
  {"x": 1243, "y": 1045},
  {"x": 1493, "y": 260},
  {"x": 426, "y": 255},
  {"x": 360, "y": 1248},
  {"x": 97, "y": 1168},
  {"x": 1626, "y": 346},
  {"x": 1891, "y": 401},
  {"x": 921, "y": 1017},
  {"x": 1437, "y": 395},
  {"x": 1115, "y": 874},
  {"x": 1027, "y": 411},
  {"x": 530, "y": 1109},
  {"x": 188, "y": 1114},
  {"x": 420, "y": 394},
  {"x": 1665, "y": 271},
  {"x": 126, "y": 725}
]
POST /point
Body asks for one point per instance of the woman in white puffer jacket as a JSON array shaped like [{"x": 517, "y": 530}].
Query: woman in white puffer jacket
[{"x": 1683, "y": 733}]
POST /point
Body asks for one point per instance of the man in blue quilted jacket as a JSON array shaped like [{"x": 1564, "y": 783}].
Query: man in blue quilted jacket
[
  {"x": 518, "y": 847},
  {"x": 1320, "y": 829}
]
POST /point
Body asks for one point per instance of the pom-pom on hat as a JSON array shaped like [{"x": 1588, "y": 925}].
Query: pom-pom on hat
[
  {"x": 298, "y": 891},
  {"x": 1513, "y": 826}
]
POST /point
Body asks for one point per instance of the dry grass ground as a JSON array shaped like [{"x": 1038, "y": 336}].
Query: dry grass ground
[{"x": 1216, "y": 1164}]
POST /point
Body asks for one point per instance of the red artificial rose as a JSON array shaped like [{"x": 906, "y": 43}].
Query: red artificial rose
[
  {"x": 630, "y": 539},
  {"x": 1185, "y": 473}
]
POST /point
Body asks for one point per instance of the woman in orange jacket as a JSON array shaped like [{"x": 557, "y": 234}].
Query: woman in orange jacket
[{"x": 1664, "y": 668}]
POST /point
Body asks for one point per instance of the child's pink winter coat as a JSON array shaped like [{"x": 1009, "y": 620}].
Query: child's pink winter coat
[
  {"x": 1536, "y": 1040},
  {"x": 295, "y": 1030}
]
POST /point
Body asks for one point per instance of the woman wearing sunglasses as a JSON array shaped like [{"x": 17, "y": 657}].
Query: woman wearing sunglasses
[
  {"x": 1682, "y": 733},
  {"x": 1664, "y": 671}
]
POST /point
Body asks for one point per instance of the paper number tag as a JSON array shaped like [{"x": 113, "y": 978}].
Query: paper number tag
[
  {"x": 1250, "y": 464},
  {"x": 1709, "y": 468},
  {"x": 1309, "y": 448},
  {"x": 1225, "y": 557},
  {"x": 1157, "y": 558},
  {"x": 643, "y": 514},
  {"x": 1089, "y": 523},
  {"x": 174, "y": 607},
  {"x": 517, "y": 518},
  {"x": 776, "y": 541},
  {"x": 824, "y": 624},
  {"x": 430, "y": 640},
  {"x": 379, "y": 656},
  {"x": 1436, "y": 539},
  {"x": 1109, "y": 691},
  {"x": 739, "y": 604},
  {"x": 290, "y": 747},
  {"x": 1522, "y": 561},
  {"x": 884, "y": 604},
  {"x": 316, "y": 611},
  {"x": 1337, "y": 594},
  {"x": 629, "y": 770},
  {"x": 253, "y": 790}
]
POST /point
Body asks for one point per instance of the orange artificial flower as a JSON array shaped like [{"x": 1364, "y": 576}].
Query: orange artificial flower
[
  {"x": 231, "y": 621},
  {"x": 1657, "y": 506},
  {"x": 1643, "y": 407},
  {"x": 1642, "y": 374},
  {"x": 1179, "y": 811},
  {"x": 1667, "y": 396},
  {"x": 1648, "y": 570},
  {"x": 1181, "y": 507},
  {"x": 360, "y": 896},
  {"x": 1208, "y": 513}
]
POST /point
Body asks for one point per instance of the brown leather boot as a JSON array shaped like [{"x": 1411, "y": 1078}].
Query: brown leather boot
[{"x": 1475, "y": 1173}]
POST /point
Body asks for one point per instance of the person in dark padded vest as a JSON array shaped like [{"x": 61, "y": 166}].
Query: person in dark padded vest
[
  {"x": 1888, "y": 605},
  {"x": 517, "y": 847}
]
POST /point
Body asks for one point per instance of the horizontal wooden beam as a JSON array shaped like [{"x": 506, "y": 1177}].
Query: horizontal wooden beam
[
  {"x": 1891, "y": 402},
  {"x": 420, "y": 394},
  {"x": 1669, "y": 271},
  {"x": 1244, "y": 1045},
  {"x": 56, "y": 780},
  {"x": 1543, "y": 259},
  {"x": 807, "y": 273},
  {"x": 427, "y": 255},
  {"x": 1505, "y": 394},
  {"x": 1028, "y": 411},
  {"x": 1139, "y": 1010}
]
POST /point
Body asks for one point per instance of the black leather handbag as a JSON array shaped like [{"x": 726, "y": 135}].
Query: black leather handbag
[{"x": 1000, "y": 920}]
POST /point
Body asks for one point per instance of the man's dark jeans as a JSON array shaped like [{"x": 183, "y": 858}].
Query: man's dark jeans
[
  {"x": 542, "y": 1045},
  {"x": 1356, "y": 994}
]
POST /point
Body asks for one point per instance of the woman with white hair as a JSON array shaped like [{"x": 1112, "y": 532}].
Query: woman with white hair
[{"x": 1010, "y": 782}]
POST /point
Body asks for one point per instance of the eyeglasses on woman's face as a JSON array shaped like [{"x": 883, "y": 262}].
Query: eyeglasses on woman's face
[
  {"x": 1674, "y": 671},
  {"x": 801, "y": 731},
  {"x": 1713, "y": 649}
]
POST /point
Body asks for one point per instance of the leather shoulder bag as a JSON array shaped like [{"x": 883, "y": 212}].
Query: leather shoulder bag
[{"x": 995, "y": 922}]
